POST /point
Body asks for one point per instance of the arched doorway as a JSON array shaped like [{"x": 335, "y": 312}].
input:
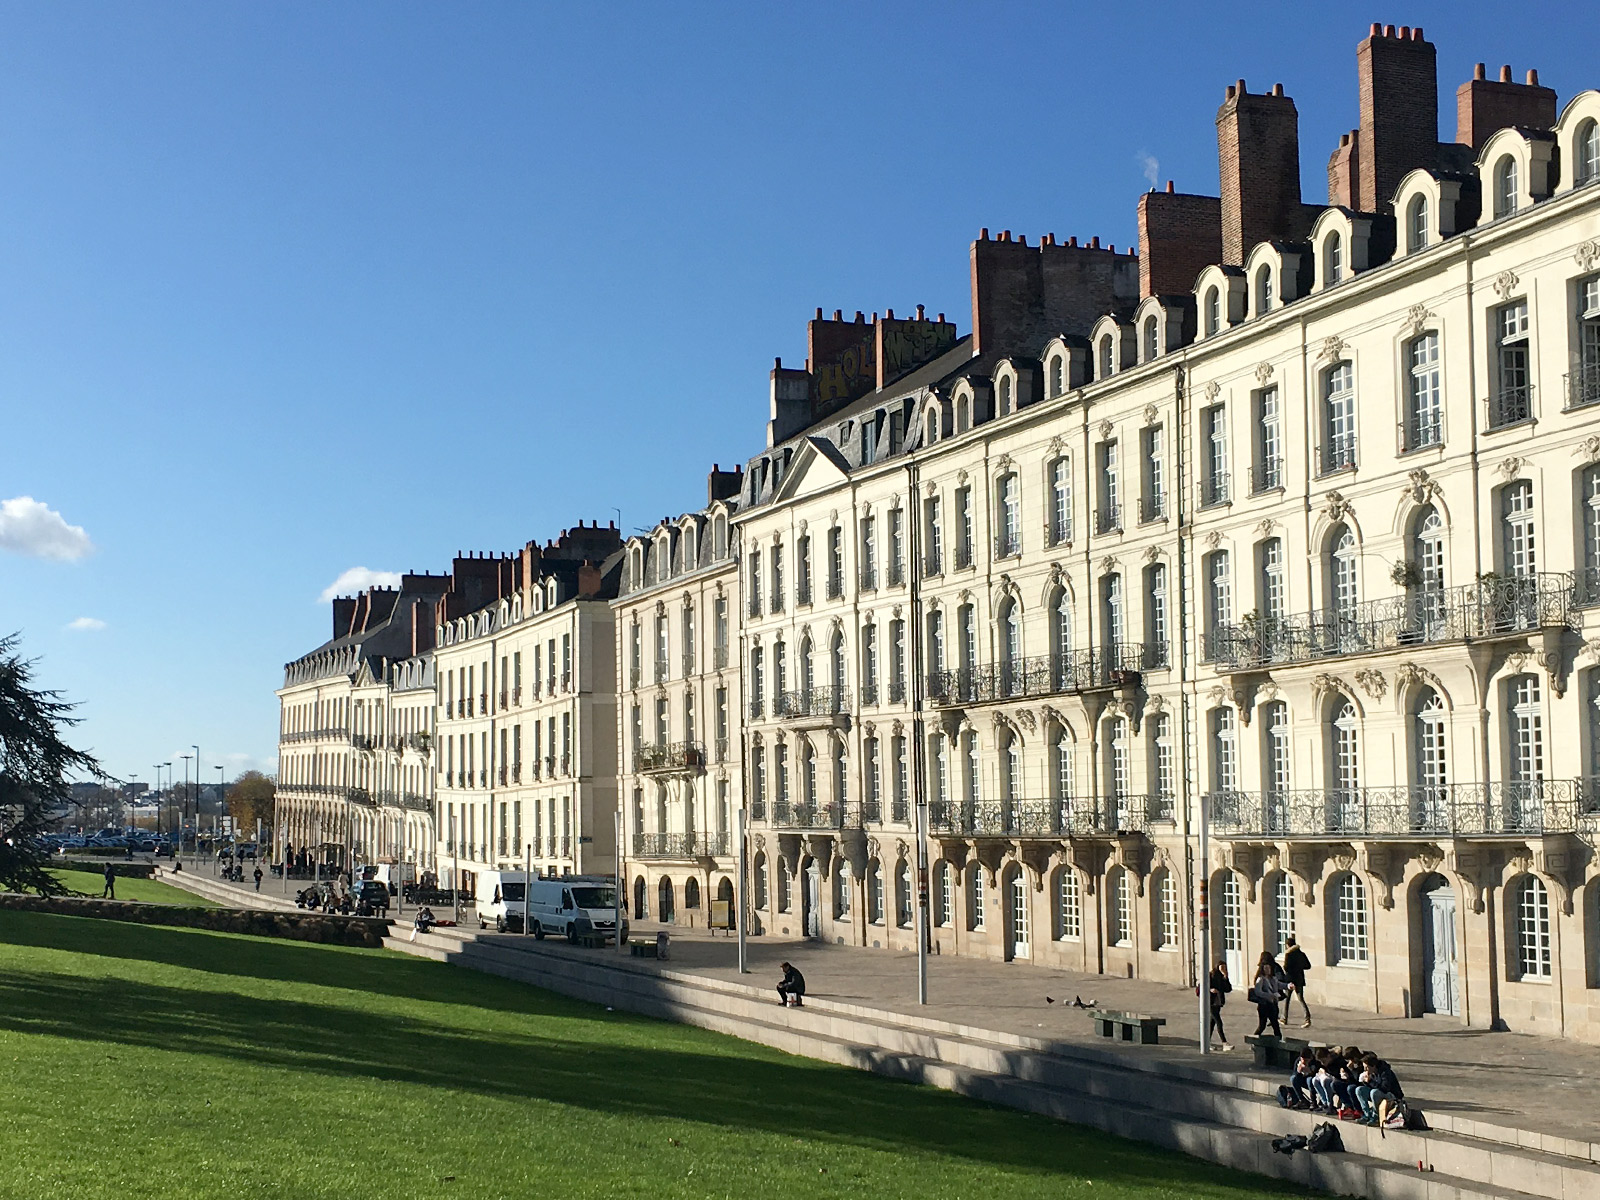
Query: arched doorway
[
  {"x": 1018, "y": 938},
  {"x": 641, "y": 899},
  {"x": 1436, "y": 918},
  {"x": 811, "y": 898},
  {"x": 691, "y": 893},
  {"x": 664, "y": 907}
]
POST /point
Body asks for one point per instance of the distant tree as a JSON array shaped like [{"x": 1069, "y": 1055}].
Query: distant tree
[
  {"x": 34, "y": 765},
  {"x": 250, "y": 798}
]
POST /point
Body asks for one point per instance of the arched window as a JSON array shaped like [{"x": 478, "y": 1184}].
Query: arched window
[
  {"x": 1525, "y": 752},
  {"x": 963, "y": 413},
  {"x": 1430, "y": 808},
  {"x": 719, "y": 536},
  {"x": 1344, "y": 770},
  {"x": 974, "y": 769},
  {"x": 1068, "y": 906},
  {"x": 1213, "y": 311},
  {"x": 902, "y": 895},
  {"x": 1164, "y": 923},
  {"x": 1586, "y": 153},
  {"x": 1349, "y": 940},
  {"x": 785, "y": 885},
  {"x": 1589, "y": 521},
  {"x": 1152, "y": 339},
  {"x": 1519, "y": 545},
  {"x": 930, "y": 432},
  {"x": 1532, "y": 915},
  {"x": 1004, "y": 407},
  {"x": 1010, "y": 768},
  {"x": 691, "y": 892},
  {"x": 1057, "y": 375},
  {"x": 944, "y": 895},
  {"x": 1163, "y": 767},
  {"x": 1417, "y": 224},
  {"x": 975, "y": 898},
  {"x": 1505, "y": 186},
  {"x": 1061, "y": 625},
  {"x": 758, "y": 880},
  {"x": 1283, "y": 911},
  {"x": 1263, "y": 289},
  {"x": 1224, "y": 751},
  {"x": 874, "y": 892},
  {"x": 838, "y": 677},
  {"x": 1119, "y": 907},
  {"x": 1230, "y": 924},
  {"x": 842, "y": 889},
  {"x": 1010, "y": 622},
  {"x": 1105, "y": 358},
  {"x": 1332, "y": 259},
  {"x": 1340, "y": 571},
  {"x": 641, "y": 899}
]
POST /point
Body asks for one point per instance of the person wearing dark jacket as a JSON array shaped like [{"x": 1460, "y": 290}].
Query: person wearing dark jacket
[
  {"x": 1219, "y": 987},
  {"x": 1377, "y": 1086},
  {"x": 1266, "y": 991},
  {"x": 792, "y": 987},
  {"x": 1295, "y": 966},
  {"x": 111, "y": 884}
]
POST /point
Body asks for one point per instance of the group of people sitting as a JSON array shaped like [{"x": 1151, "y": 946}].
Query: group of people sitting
[{"x": 1346, "y": 1082}]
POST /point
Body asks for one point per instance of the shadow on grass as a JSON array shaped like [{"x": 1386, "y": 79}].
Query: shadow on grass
[{"x": 611, "y": 1063}]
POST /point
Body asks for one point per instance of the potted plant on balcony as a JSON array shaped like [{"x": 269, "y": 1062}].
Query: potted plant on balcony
[{"x": 1406, "y": 574}]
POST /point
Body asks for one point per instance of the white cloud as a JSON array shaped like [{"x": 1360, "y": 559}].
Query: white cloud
[
  {"x": 1150, "y": 165},
  {"x": 86, "y": 625},
  {"x": 359, "y": 579},
  {"x": 30, "y": 527}
]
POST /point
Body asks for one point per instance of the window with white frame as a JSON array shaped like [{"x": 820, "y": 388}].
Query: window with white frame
[
  {"x": 1163, "y": 771},
  {"x": 1224, "y": 751},
  {"x": 1417, "y": 224},
  {"x": 1061, "y": 625},
  {"x": 1512, "y": 400},
  {"x": 1231, "y": 912},
  {"x": 1532, "y": 901},
  {"x": 1110, "y": 515},
  {"x": 1008, "y": 493},
  {"x": 897, "y": 661},
  {"x": 1589, "y": 522},
  {"x": 1113, "y": 614},
  {"x": 1268, "y": 472},
  {"x": 1214, "y": 471},
  {"x": 1583, "y": 384},
  {"x": 1273, "y": 602},
  {"x": 802, "y": 569},
  {"x": 1586, "y": 154},
  {"x": 1152, "y": 343},
  {"x": 932, "y": 539},
  {"x": 1527, "y": 733},
  {"x": 1069, "y": 906},
  {"x": 964, "y": 527},
  {"x": 778, "y": 592},
  {"x": 1061, "y": 769},
  {"x": 975, "y": 898},
  {"x": 872, "y": 776},
  {"x": 875, "y": 892},
  {"x": 1119, "y": 771},
  {"x": 1275, "y": 764},
  {"x": 842, "y": 889},
  {"x": 1340, "y": 569},
  {"x": 935, "y": 624},
  {"x": 1424, "y": 417},
  {"x": 1338, "y": 418},
  {"x": 1332, "y": 259},
  {"x": 1057, "y": 375},
  {"x": 1350, "y": 915},
  {"x": 1155, "y": 470},
  {"x": 1518, "y": 541},
  {"x": 869, "y": 664},
  {"x": 940, "y": 759},
  {"x": 755, "y": 583},
  {"x": 868, "y": 554},
  {"x": 1505, "y": 186},
  {"x": 973, "y": 769},
  {"x": 1104, "y": 370},
  {"x": 897, "y": 555},
  {"x": 1283, "y": 911},
  {"x": 1430, "y": 808},
  {"x": 1120, "y": 903},
  {"x": 1263, "y": 289},
  {"x": 835, "y": 563},
  {"x": 1060, "y": 500},
  {"x": 1213, "y": 311},
  {"x": 1168, "y": 937},
  {"x": 902, "y": 777},
  {"x": 1219, "y": 599},
  {"x": 967, "y": 637},
  {"x": 1155, "y": 615},
  {"x": 1003, "y": 407},
  {"x": 945, "y": 895}
]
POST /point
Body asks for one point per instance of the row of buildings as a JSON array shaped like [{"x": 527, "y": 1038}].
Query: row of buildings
[{"x": 1286, "y": 525}]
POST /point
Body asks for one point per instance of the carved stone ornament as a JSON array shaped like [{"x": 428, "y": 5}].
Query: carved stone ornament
[
  {"x": 1057, "y": 445},
  {"x": 1587, "y": 254},
  {"x": 1505, "y": 283},
  {"x": 1151, "y": 414},
  {"x": 1213, "y": 390},
  {"x": 1332, "y": 348},
  {"x": 1417, "y": 318},
  {"x": 1152, "y": 552},
  {"x": 868, "y": 728},
  {"x": 1517, "y": 663},
  {"x": 897, "y": 728},
  {"x": 1156, "y": 704},
  {"x": 1323, "y": 684},
  {"x": 834, "y": 515},
  {"x": 1003, "y": 463},
  {"x": 1266, "y": 527},
  {"x": 1108, "y": 564},
  {"x": 897, "y": 611},
  {"x": 661, "y": 608},
  {"x": 803, "y": 525},
  {"x": 1106, "y": 429},
  {"x": 1218, "y": 694},
  {"x": 1336, "y": 507},
  {"x": 1422, "y": 489},
  {"x": 1267, "y": 692},
  {"x": 1026, "y": 718},
  {"x": 1590, "y": 649},
  {"x": 1213, "y": 539},
  {"x": 1263, "y": 372},
  {"x": 1553, "y": 662},
  {"x": 961, "y": 475},
  {"x": 1372, "y": 682},
  {"x": 1589, "y": 449},
  {"x": 1409, "y": 675},
  {"x": 932, "y": 489},
  {"x": 1509, "y": 467}
]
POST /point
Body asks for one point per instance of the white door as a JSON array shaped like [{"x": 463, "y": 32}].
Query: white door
[
  {"x": 1017, "y": 901},
  {"x": 1440, "y": 977}
]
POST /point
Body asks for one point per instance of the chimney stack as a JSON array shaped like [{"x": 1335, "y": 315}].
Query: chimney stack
[
  {"x": 1485, "y": 106},
  {"x": 1399, "y": 83},
  {"x": 1258, "y": 153}
]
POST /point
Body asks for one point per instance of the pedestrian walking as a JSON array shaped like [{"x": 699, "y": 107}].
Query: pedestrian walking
[
  {"x": 1219, "y": 986},
  {"x": 1266, "y": 991},
  {"x": 1295, "y": 966},
  {"x": 111, "y": 884},
  {"x": 258, "y": 878}
]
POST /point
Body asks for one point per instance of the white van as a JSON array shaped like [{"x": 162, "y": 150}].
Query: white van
[
  {"x": 575, "y": 907},
  {"x": 499, "y": 892}
]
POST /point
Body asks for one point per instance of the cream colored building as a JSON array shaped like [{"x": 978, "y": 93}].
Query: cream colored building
[
  {"x": 679, "y": 708},
  {"x": 1300, "y": 534},
  {"x": 526, "y": 693}
]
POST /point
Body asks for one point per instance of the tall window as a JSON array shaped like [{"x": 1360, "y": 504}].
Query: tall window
[
  {"x": 944, "y": 896},
  {"x": 902, "y": 777},
  {"x": 872, "y": 779},
  {"x": 1269, "y": 442},
  {"x": 1224, "y": 751},
  {"x": 1061, "y": 626},
  {"x": 1155, "y": 481},
  {"x": 897, "y": 555},
  {"x": 1527, "y": 732},
  {"x": 1283, "y": 911},
  {"x": 1350, "y": 913},
  {"x": 1155, "y": 615},
  {"x": 869, "y": 555},
  {"x": 1152, "y": 343},
  {"x": 1056, "y": 375},
  {"x": 1009, "y": 495},
  {"x": 1163, "y": 771},
  {"x": 778, "y": 592},
  {"x": 1060, "y": 500},
  {"x": 835, "y": 563},
  {"x": 1264, "y": 290},
  {"x": 1273, "y": 601},
  {"x": 1340, "y": 570},
  {"x": 1219, "y": 600},
  {"x": 875, "y": 892},
  {"x": 1105, "y": 358},
  {"x": 1533, "y": 927},
  {"x": 1583, "y": 384},
  {"x": 1586, "y": 157},
  {"x": 1113, "y": 613},
  {"x": 1069, "y": 905},
  {"x": 1517, "y": 530},
  {"x": 967, "y": 637},
  {"x": 1344, "y": 770},
  {"x": 1275, "y": 764},
  {"x": 973, "y": 767},
  {"x": 1417, "y": 224},
  {"x": 940, "y": 762},
  {"x": 1231, "y": 912},
  {"x": 932, "y": 541},
  {"x": 1431, "y": 810},
  {"x": 1214, "y": 431},
  {"x": 1004, "y": 392},
  {"x": 869, "y": 664},
  {"x": 1011, "y": 647},
  {"x": 1119, "y": 774},
  {"x": 1167, "y": 913},
  {"x": 802, "y": 569},
  {"x": 1110, "y": 514},
  {"x": 975, "y": 899},
  {"x": 1120, "y": 904},
  {"x": 963, "y": 527},
  {"x": 897, "y": 661},
  {"x": 755, "y": 583},
  {"x": 1332, "y": 260},
  {"x": 1338, "y": 418},
  {"x": 1589, "y": 520},
  {"x": 1424, "y": 421},
  {"x": 1505, "y": 186},
  {"x": 1511, "y": 400},
  {"x": 756, "y": 692},
  {"x": 1213, "y": 311}
]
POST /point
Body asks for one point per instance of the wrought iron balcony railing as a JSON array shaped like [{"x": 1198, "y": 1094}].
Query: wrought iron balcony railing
[
  {"x": 1514, "y": 808},
  {"x": 963, "y": 556},
  {"x": 817, "y": 702},
  {"x": 1336, "y": 454},
  {"x": 719, "y": 657},
  {"x": 1007, "y": 544},
  {"x": 1510, "y": 406},
  {"x": 1045, "y": 675},
  {"x": 1153, "y": 507},
  {"x": 1583, "y": 386},
  {"x": 679, "y": 845},
  {"x": 671, "y": 757},
  {"x": 897, "y": 691},
  {"x": 1491, "y": 607},
  {"x": 1108, "y": 518},
  {"x": 869, "y": 694},
  {"x": 1266, "y": 475},
  {"x": 1424, "y": 429},
  {"x": 786, "y": 814},
  {"x": 1049, "y": 818},
  {"x": 1216, "y": 488}
]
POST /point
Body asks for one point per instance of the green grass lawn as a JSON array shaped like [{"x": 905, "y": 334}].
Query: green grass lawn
[
  {"x": 147, "y": 890},
  {"x": 148, "y": 1061}
]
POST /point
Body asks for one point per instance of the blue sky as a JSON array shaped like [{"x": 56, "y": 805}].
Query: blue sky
[{"x": 289, "y": 289}]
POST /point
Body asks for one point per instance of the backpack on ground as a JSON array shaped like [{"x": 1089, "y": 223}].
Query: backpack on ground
[
  {"x": 1286, "y": 1096},
  {"x": 1324, "y": 1138},
  {"x": 1288, "y": 1144}
]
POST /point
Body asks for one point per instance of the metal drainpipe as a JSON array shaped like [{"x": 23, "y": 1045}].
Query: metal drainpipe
[
  {"x": 1092, "y": 727},
  {"x": 913, "y": 662}
]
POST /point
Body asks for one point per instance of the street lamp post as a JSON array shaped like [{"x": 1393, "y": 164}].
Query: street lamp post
[
  {"x": 196, "y": 750},
  {"x": 186, "y": 758}
]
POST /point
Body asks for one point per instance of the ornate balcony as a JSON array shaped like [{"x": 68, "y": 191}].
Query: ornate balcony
[
  {"x": 680, "y": 845},
  {"x": 1493, "y": 607},
  {"x": 1515, "y": 809},
  {"x": 672, "y": 758},
  {"x": 786, "y": 814},
  {"x": 1108, "y": 518},
  {"x": 1049, "y": 818},
  {"x": 1583, "y": 386},
  {"x": 1266, "y": 475},
  {"x": 1509, "y": 405},
  {"x": 1337, "y": 454},
  {"x": 1216, "y": 488},
  {"x": 1046, "y": 675},
  {"x": 816, "y": 702}
]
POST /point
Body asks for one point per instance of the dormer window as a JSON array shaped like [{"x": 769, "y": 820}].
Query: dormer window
[
  {"x": 1004, "y": 409},
  {"x": 1332, "y": 260},
  {"x": 1151, "y": 339},
  {"x": 719, "y": 536},
  {"x": 1105, "y": 357},
  {"x": 1505, "y": 186},
  {"x": 1586, "y": 159},
  {"x": 963, "y": 415},
  {"x": 1417, "y": 224},
  {"x": 1213, "y": 311},
  {"x": 1057, "y": 374},
  {"x": 1263, "y": 291},
  {"x": 930, "y": 433}
]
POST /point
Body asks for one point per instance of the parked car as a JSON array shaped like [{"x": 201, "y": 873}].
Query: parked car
[{"x": 371, "y": 897}]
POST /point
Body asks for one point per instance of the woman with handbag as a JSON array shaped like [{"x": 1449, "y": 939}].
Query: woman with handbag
[
  {"x": 1219, "y": 987},
  {"x": 1265, "y": 992}
]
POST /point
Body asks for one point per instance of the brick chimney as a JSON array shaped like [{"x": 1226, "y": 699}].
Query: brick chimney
[
  {"x": 1258, "y": 153},
  {"x": 1024, "y": 295},
  {"x": 1485, "y": 106},
  {"x": 723, "y": 485},
  {"x": 1179, "y": 236},
  {"x": 902, "y": 344},
  {"x": 344, "y": 615},
  {"x": 1399, "y": 85}
]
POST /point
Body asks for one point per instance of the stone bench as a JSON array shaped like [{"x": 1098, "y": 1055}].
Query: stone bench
[
  {"x": 1130, "y": 1027},
  {"x": 642, "y": 949},
  {"x": 1278, "y": 1052}
]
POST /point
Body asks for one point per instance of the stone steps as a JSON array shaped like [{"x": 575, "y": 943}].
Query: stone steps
[{"x": 1216, "y": 1115}]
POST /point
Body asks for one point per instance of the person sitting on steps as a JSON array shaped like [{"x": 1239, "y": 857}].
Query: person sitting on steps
[{"x": 792, "y": 987}]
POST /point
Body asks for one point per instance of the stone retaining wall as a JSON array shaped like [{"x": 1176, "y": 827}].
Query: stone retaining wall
[
  {"x": 128, "y": 870},
  {"x": 301, "y": 927}
]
